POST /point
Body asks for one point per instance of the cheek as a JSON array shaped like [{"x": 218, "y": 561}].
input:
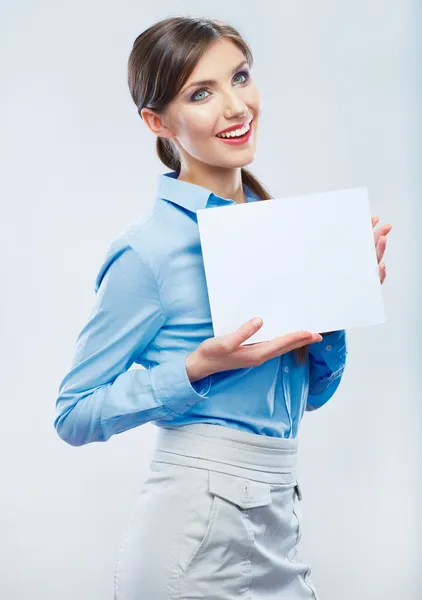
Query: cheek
[
  {"x": 254, "y": 99},
  {"x": 198, "y": 125}
]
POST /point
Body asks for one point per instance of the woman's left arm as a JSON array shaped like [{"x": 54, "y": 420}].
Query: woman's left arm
[{"x": 328, "y": 358}]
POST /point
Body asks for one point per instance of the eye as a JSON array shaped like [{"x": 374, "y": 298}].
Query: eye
[
  {"x": 244, "y": 74},
  {"x": 196, "y": 96}
]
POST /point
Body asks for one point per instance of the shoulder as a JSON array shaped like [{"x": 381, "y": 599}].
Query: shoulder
[
  {"x": 125, "y": 252},
  {"x": 136, "y": 248},
  {"x": 250, "y": 194}
]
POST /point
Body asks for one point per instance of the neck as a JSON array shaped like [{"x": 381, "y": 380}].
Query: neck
[{"x": 223, "y": 182}]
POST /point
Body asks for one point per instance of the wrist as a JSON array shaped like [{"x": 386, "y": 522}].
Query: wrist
[{"x": 195, "y": 368}]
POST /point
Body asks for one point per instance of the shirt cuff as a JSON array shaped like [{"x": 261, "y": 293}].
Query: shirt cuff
[
  {"x": 332, "y": 347},
  {"x": 173, "y": 388}
]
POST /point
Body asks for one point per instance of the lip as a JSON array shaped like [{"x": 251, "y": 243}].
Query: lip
[
  {"x": 234, "y": 127},
  {"x": 238, "y": 141}
]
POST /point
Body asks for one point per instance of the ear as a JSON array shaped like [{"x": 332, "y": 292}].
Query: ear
[{"x": 155, "y": 123}]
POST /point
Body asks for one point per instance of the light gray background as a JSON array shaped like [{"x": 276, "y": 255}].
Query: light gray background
[{"x": 341, "y": 90}]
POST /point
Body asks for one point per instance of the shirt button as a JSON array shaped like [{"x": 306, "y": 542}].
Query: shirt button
[
  {"x": 286, "y": 369},
  {"x": 329, "y": 347}
]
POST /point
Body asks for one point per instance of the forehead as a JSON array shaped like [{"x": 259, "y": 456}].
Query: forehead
[{"x": 218, "y": 60}]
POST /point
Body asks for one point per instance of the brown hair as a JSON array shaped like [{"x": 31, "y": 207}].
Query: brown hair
[{"x": 162, "y": 60}]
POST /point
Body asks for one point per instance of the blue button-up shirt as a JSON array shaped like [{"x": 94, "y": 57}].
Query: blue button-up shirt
[{"x": 152, "y": 309}]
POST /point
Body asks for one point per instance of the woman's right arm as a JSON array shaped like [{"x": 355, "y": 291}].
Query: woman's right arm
[{"x": 100, "y": 396}]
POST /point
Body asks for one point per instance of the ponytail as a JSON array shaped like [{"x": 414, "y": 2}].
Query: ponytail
[{"x": 168, "y": 154}]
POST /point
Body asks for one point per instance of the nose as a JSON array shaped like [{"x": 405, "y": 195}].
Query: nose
[{"x": 234, "y": 106}]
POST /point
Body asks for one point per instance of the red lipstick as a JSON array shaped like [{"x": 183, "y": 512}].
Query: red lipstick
[{"x": 238, "y": 140}]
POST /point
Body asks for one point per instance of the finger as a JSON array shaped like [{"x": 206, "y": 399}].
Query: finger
[
  {"x": 383, "y": 230},
  {"x": 382, "y": 272},
  {"x": 231, "y": 341},
  {"x": 284, "y": 343},
  {"x": 381, "y": 246},
  {"x": 375, "y": 220}
]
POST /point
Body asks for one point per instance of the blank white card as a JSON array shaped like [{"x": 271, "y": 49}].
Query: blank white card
[{"x": 300, "y": 263}]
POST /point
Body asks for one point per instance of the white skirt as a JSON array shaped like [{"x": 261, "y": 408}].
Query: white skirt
[{"x": 218, "y": 518}]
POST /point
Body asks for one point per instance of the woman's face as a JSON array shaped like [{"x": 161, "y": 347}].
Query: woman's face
[{"x": 202, "y": 111}]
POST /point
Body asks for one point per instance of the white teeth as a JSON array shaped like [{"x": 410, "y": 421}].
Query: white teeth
[{"x": 236, "y": 133}]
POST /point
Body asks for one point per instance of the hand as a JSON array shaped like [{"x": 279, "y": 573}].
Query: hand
[
  {"x": 380, "y": 239},
  {"x": 226, "y": 352}
]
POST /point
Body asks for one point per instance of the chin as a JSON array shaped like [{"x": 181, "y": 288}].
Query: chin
[
  {"x": 248, "y": 162},
  {"x": 244, "y": 162},
  {"x": 233, "y": 162}
]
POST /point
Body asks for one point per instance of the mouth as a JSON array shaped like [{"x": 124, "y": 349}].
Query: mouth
[{"x": 238, "y": 137}]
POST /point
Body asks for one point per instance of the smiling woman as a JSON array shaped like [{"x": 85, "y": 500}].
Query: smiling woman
[
  {"x": 202, "y": 86},
  {"x": 219, "y": 515}
]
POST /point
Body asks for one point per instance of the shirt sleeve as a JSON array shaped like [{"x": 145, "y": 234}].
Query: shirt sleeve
[
  {"x": 100, "y": 396},
  {"x": 327, "y": 363}
]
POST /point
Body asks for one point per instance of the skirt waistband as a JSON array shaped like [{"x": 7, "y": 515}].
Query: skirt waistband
[{"x": 228, "y": 450}]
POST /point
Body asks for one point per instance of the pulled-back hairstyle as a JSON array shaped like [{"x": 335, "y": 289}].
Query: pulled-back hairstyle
[{"x": 162, "y": 60}]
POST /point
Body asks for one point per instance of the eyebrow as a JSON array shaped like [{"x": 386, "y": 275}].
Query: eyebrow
[{"x": 213, "y": 81}]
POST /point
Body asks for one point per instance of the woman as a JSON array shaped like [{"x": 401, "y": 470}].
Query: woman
[{"x": 218, "y": 517}]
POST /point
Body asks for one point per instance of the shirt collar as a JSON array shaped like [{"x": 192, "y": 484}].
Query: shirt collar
[{"x": 191, "y": 196}]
